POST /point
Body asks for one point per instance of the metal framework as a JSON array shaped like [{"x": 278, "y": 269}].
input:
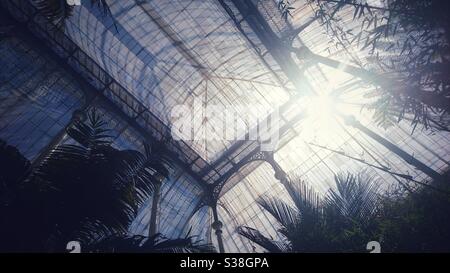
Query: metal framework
[
  {"x": 212, "y": 176},
  {"x": 241, "y": 157}
]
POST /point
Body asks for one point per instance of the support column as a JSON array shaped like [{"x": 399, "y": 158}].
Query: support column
[
  {"x": 154, "y": 211},
  {"x": 217, "y": 226},
  {"x": 280, "y": 175}
]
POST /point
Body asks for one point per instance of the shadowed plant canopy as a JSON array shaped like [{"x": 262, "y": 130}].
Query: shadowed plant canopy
[
  {"x": 338, "y": 222},
  {"x": 80, "y": 191},
  {"x": 153, "y": 244}
]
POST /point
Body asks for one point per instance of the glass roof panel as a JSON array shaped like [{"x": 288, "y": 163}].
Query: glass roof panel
[{"x": 169, "y": 53}]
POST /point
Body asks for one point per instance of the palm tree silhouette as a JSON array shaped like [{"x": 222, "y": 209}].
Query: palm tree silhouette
[
  {"x": 342, "y": 221},
  {"x": 83, "y": 191}
]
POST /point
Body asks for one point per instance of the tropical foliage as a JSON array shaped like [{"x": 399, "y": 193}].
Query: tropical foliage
[
  {"x": 355, "y": 213},
  {"x": 340, "y": 222},
  {"x": 407, "y": 46},
  {"x": 153, "y": 244},
  {"x": 85, "y": 191},
  {"x": 418, "y": 221}
]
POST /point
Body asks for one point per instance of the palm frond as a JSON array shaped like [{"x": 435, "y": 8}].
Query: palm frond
[
  {"x": 256, "y": 237},
  {"x": 82, "y": 182},
  {"x": 157, "y": 157},
  {"x": 338, "y": 223},
  {"x": 80, "y": 185},
  {"x": 81, "y": 191},
  {"x": 355, "y": 197},
  {"x": 307, "y": 201},
  {"x": 286, "y": 215},
  {"x": 92, "y": 133}
]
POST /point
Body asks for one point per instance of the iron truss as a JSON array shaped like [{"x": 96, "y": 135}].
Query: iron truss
[{"x": 211, "y": 176}]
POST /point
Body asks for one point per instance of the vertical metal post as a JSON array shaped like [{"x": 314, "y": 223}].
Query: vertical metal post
[
  {"x": 154, "y": 211},
  {"x": 217, "y": 226}
]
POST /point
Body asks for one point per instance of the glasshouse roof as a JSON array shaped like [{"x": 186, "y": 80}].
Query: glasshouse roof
[{"x": 137, "y": 61}]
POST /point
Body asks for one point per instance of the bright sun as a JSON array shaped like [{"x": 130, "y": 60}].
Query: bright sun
[
  {"x": 320, "y": 106},
  {"x": 321, "y": 123}
]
